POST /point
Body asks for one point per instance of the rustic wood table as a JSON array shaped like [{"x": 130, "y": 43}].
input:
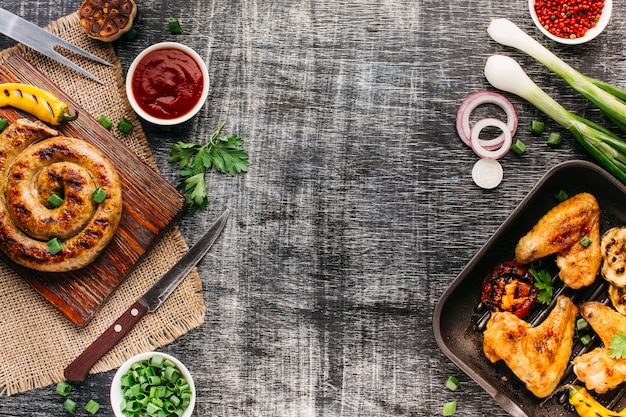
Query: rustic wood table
[{"x": 359, "y": 207}]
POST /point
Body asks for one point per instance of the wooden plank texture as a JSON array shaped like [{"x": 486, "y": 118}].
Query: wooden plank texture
[{"x": 150, "y": 206}]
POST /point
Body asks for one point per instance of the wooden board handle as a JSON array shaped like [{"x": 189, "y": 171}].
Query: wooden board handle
[{"x": 77, "y": 370}]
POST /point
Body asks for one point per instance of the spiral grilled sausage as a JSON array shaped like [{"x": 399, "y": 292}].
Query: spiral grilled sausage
[{"x": 36, "y": 163}]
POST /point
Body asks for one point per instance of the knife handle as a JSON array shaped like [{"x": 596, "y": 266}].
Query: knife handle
[{"x": 77, "y": 371}]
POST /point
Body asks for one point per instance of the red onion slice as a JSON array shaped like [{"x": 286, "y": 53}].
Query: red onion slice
[
  {"x": 471, "y": 102},
  {"x": 477, "y": 145}
]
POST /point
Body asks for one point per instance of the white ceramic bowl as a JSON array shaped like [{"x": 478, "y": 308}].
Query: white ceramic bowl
[
  {"x": 591, "y": 33},
  {"x": 172, "y": 121},
  {"x": 116, "y": 384}
]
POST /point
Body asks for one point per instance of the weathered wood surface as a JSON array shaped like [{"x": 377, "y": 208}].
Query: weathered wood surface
[{"x": 359, "y": 208}]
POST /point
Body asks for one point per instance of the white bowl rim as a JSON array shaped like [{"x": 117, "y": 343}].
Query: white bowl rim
[
  {"x": 116, "y": 383},
  {"x": 133, "y": 67},
  {"x": 591, "y": 33}
]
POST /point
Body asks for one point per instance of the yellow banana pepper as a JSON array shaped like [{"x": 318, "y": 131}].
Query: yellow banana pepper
[
  {"x": 40, "y": 103},
  {"x": 587, "y": 406}
]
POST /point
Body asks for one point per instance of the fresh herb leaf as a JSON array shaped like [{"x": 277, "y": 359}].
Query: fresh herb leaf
[
  {"x": 617, "y": 347},
  {"x": 195, "y": 160},
  {"x": 543, "y": 282}
]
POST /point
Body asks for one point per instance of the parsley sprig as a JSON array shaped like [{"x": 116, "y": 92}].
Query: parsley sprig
[
  {"x": 543, "y": 282},
  {"x": 617, "y": 347},
  {"x": 195, "y": 160}
]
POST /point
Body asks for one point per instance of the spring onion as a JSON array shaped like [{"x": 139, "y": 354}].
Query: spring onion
[
  {"x": 55, "y": 246},
  {"x": 585, "y": 241},
  {"x": 518, "y": 147},
  {"x": 536, "y": 127},
  {"x": 3, "y": 123},
  {"x": 92, "y": 406},
  {"x": 452, "y": 383},
  {"x": 449, "y": 408},
  {"x": 124, "y": 125},
  {"x": 506, "y": 74},
  {"x": 63, "y": 388},
  {"x": 154, "y": 387},
  {"x": 98, "y": 195},
  {"x": 174, "y": 26},
  {"x": 70, "y": 405},
  {"x": 105, "y": 122},
  {"x": 55, "y": 200},
  {"x": 608, "y": 98},
  {"x": 561, "y": 195},
  {"x": 585, "y": 339},
  {"x": 554, "y": 139}
]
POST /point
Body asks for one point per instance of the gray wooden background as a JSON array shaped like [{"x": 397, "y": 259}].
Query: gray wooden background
[{"x": 359, "y": 208}]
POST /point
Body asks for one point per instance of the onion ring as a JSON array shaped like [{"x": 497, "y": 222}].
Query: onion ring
[
  {"x": 476, "y": 143},
  {"x": 471, "y": 102}
]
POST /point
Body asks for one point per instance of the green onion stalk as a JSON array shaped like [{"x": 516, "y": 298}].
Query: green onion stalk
[
  {"x": 608, "y": 98},
  {"x": 506, "y": 74}
]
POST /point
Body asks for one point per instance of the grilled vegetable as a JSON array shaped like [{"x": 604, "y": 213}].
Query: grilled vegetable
[
  {"x": 509, "y": 287},
  {"x": 587, "y": 406},
  {"x": 40, "y": 103},
  {"x": 612, "y": 245}
]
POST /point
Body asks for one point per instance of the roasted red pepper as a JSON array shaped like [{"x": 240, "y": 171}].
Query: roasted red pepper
[{"x": 509, "y": 287}]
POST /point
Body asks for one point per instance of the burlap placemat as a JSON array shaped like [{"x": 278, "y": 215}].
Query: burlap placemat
[{"x": 36, "y": 341}]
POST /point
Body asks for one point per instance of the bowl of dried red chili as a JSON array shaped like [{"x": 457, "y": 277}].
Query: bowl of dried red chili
[{"x": 571, "y": 22}]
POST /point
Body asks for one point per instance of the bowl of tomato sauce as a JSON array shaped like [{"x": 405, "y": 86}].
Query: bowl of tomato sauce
[
  {"x": 571, "y": 22},
  {"x": 167, "y": 83}
]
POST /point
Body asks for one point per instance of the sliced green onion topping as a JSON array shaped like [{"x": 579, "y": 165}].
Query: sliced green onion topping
[
  {"x": 55, "y": 200},
  {"x": 105, "y": 122},
  {"x": 131, "y": 34},
  {"x": 561, "y": 195},
  {"x": 70, "y": 405},
  {"x": 449, "y": 408},
  {"x": 452, "y": 383},
  {"x": 55, "y": 246},
  {"x": 585, "y": 241},
  {"x": 63, "y": 388},
  {"x": 554, "y": 139},
  {"x": 585, "y": 339},
  {"x": 536, "y": 127},
  {"x": 174, "y": 26},
  {"x": 92, "y": 406},
  {"x": 581, "y": 324},
  {"x": 3, "y": 123},
  {"x": 518, "y": 147},
  {"x": 154, "y": 387},
  {"x": 124, "y": 125},
  {"x": 98, "y": 195}
]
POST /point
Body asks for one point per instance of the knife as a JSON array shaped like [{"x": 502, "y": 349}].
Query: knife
[
  {"x": 151, "y": 300},
  {"x": 43, "y": 41}
]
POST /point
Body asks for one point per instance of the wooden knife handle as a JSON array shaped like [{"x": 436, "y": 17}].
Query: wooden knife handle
[{"x": 77, "y": 371}]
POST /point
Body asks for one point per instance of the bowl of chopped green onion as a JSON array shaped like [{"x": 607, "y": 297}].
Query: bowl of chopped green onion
[{"x": 151, "y": 384}]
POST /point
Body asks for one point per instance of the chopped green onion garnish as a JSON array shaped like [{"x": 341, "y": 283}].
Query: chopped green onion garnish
[
  {"x": 536, "y": 127},
  {"x": 554, "y": 139},
  {"x": 131, "y": 34},
  {"x": 449, "y": 408},
  {"x": 561, "y": 196},
  {"x": 92, "y": 407},
  {"x": 581, "y": 324},
  {"x": 63, "y": 388},
  {"x": 104, "y": 121},
  {"x": 55, "y": 246},
  {"x": 585, "y": 339},
  {"x": 3, "y": 123},
  {"x": 518, "y": 147},
  {"x": 174, "y": 26},
  {"x": 55, "y": 200},
  {"x": 585, "y": 241},
  {"x": 452, "y": 383},
  {"x": 69, "y": 405},
  {"x": 124, "y": 125},
  {"x": 98, "y": 195}
]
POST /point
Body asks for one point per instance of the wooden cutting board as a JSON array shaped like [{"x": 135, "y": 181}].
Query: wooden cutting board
[{"x": 151, "y": 206}]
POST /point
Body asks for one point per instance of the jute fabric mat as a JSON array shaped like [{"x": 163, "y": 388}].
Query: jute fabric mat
[{"x": 36, "y": 341}]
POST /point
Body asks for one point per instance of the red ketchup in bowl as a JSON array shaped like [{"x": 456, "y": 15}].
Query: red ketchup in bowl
[{"x": 167, "y": 83}]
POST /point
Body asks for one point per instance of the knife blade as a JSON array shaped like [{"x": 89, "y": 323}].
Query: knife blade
[
  {"x": 151, "y": 300},
  {"x": 43, "y": 41}
]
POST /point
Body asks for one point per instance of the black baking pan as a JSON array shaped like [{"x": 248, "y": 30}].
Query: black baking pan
[{"x": 457, "y": 321}]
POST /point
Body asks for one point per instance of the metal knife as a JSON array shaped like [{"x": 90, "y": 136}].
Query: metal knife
[
  {"x": 151, "y": 300},
  {"x": 43, "y": 41}
]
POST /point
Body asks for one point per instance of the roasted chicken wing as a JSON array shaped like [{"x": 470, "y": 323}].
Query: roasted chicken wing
[
  {"x": 572, "y": 231},
  {"x": 537, "y": 355},
  {"x": 596, "y": 369}
]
